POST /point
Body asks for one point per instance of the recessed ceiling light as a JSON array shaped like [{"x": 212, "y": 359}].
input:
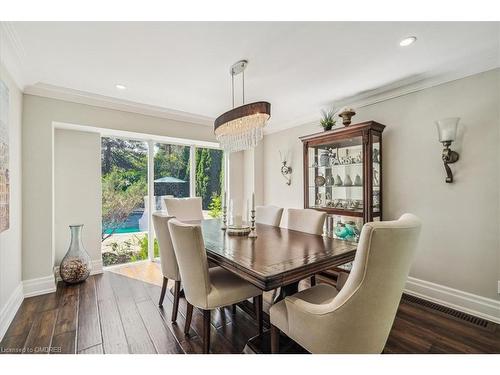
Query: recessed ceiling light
[
  {"x": 121, "y": 87},
  {"x": 407, "y": 41}
]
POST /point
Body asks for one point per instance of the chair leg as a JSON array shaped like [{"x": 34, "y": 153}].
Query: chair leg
[
  {"x": 189, "y": 315},
  {"x": 257, "y": 303},
  {"x": 177, "y": 292},
  {"x": 275, "y": 339},
  {"x": 206, "y": 331},
  {"x": 163, "y": 290},
  {"x": 313, "y": 280},
  {"x": 233, "y": 309}
]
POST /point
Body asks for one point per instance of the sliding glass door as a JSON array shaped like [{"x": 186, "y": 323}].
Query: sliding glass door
[
  {"x": 135, "y": 172},
  {"x": 171, "y": 178},
  {"x": 124, "y": 166}
]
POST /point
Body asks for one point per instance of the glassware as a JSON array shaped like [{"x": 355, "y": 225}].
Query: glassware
[
  {"x": 76, "y": 264},
  {"x": 324, "y": 158},
  {"x": 357, "y": 181},
  {"x": 338, "y": 181},
  {"x": 347, "y": 180}
]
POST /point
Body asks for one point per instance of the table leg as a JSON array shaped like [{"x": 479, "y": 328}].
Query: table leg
[{"x": 287, "y": 290}]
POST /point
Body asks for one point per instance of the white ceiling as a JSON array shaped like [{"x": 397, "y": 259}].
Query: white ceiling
[{"x": 298, "y": 67}]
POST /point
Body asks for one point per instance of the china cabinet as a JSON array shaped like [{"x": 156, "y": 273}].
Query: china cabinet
[{"x": 343, "y": 177}]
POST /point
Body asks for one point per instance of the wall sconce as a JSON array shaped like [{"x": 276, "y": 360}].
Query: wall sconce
[
  {"x": 447, "y": 132},
  {"x": 286, "y": 170}
]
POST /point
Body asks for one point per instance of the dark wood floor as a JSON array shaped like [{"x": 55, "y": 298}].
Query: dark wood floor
[{"x": 112, "y": 313}]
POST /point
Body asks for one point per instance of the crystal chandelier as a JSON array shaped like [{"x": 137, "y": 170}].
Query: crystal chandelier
[{"x": 242, "y": 127}]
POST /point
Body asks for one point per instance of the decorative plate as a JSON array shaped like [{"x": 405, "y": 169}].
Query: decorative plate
[{"x": 319, "y": 180}]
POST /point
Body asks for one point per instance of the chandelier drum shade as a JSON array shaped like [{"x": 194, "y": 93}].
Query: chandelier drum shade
[{"x": 242, "y": 128}]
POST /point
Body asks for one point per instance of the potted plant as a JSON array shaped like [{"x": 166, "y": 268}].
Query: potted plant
[{"x": 327, "y": 119}]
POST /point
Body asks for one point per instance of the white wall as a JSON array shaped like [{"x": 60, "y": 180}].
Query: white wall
[
  {"x": 236, "y": 180},
  {"x": 77, "y": 182},
  {"x": 459, "y": 246},
  {"x": 253, "y": 182},
  {"x": 10, "y": 240},
  {"x": 39, "y": 115}
]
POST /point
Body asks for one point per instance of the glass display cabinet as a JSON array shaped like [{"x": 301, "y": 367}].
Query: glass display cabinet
[{"x": 343, "y": 177}]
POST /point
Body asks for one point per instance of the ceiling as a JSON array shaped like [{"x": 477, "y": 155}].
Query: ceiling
[{"x": 300, "y": 67}]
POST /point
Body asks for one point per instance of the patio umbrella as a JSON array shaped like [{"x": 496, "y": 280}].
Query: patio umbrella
[{"x": 170, "y": 180}]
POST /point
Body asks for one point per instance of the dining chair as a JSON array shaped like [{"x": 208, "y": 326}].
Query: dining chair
[
  {"x": 269, "y": 215},
  {"x": 307, "y": 221},
  {"x": 204, "y": 288},
  {"x": 185, "y": 209},
  {"x": 359, "y": 317},
  {"x": 168, "y": 261}
]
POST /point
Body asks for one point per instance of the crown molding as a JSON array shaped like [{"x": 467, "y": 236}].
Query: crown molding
[
  {"x": 96, "y": 100},
  {"x": 12, "y": 54},
  {"x": 477, "y": 65}
]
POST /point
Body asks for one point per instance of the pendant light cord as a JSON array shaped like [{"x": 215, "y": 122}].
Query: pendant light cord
[
  {"x": 243, "y": 91},
  {"x": 232, "y": 85},
  {"x": 243, "y": 86}
]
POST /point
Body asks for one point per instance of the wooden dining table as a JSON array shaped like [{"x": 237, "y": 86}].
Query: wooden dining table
[{"x": 277, "y": 257}]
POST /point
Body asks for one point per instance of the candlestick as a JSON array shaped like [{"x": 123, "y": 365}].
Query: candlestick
[
  {"x": 224, "y": 214},
  {"x": 252, "y": 233}
]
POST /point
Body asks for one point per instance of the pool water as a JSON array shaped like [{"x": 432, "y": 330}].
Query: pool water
[{"x": 131, "y": 225}]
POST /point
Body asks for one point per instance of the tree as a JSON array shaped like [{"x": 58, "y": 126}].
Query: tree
[
  {"x": 208, "y": 174},
  {"x": 120, "y": 153},
  {"x": 173, "y": 161},
  {"x": 215, "y": 206},
  {"x": 120, "y": 197}
]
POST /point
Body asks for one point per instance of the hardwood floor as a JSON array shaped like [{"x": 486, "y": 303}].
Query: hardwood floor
[{"x": 117, "y": 312}]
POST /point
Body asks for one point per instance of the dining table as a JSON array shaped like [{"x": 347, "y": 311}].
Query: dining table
[{"x": 277, "y": 257}]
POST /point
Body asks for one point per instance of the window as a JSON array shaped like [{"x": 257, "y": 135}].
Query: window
[
  {"x": 209, "y": 180},
  {"x": 133, "y": 171}
]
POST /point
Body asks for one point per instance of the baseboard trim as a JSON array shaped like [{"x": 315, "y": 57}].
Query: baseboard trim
[
  {"x": 10, "y": 309},
  {"x": 469, "y": 303},
  {"x": 97, "y": 268},
  {"x": 39, "y": 286}
]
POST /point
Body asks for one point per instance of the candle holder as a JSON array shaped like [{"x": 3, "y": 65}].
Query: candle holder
[
  {"x": 224, "y": 218},
  {"x": 252, "y": 233}
]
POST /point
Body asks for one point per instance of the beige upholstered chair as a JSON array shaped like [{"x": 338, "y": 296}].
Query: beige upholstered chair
[
  {"x": 169, "y": 267},
  {"x": 357, "y": 319},
  {"x": 184, "y": 209},
  {"x": 205, "y": 288},
  {"x": 307, "y": 221},
  {"x": 269, "y": 215}
]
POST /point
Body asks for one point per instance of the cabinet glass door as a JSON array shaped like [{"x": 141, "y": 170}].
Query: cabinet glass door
[{"x": 336, "y": 175}]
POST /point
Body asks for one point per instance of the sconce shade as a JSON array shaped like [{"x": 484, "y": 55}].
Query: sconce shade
[{"x": 447, "y": 129}]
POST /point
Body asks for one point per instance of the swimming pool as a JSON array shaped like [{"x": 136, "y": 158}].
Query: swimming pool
[{"x": 131, "y": 225}]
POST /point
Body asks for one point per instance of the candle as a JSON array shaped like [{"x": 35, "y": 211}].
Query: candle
[
  {"x": 253, "y": 201},
  {"x": 237, "y": 221}
]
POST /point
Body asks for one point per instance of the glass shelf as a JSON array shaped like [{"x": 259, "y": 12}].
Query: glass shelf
[
  {"x": 339, "y": 165},
  {"x": 358, "y": 210},
  {"x": 336, "y": 186},
  {"x": 340, "y": 186}
]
